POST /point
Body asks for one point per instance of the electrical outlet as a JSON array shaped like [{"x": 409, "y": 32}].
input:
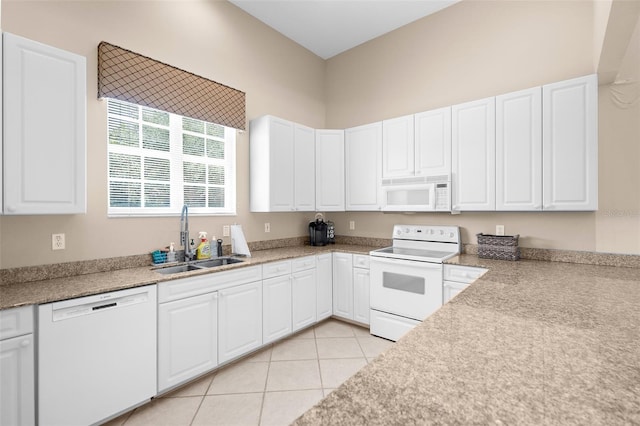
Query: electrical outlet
[
  {"x": 267, "y": 227},
  {"x": 499, "y": 229},
  {"x": 225, "y": 231},
  {"x": 352, "y": 225},
  {"x": 57, "y": 242}
]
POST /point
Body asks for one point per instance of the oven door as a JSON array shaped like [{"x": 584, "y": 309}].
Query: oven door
[{"x": 408, "y": 288}]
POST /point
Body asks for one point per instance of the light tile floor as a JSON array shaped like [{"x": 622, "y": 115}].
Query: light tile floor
[{"x": 272, "y": 387}]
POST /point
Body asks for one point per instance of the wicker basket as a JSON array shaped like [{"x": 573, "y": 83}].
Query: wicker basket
[{"x": 500, "y": 247}]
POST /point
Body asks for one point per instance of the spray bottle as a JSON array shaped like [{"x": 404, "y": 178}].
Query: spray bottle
[{"x": 204, "y": 249}]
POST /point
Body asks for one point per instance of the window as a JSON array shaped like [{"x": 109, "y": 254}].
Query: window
[{"x": 159, "y": 161}]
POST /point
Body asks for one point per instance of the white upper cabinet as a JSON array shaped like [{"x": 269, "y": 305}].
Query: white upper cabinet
[
  {"x": 473, "y": 155},
  {"x": 398, "y": 156},
  {"x": 44, "y": 139},
  {"x": 519, "y": 150},
  {"x": 304, "y": 194},
  {"x": 282, "y": 165},
  {"x": 363, "y": 151},
  {"x": 433, "y": 142},
  {"x": 570, "y": 144},
  {"x": 330, "y": 178}
]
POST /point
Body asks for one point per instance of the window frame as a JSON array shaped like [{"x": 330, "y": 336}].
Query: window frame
[{"x": 176, "y": 159}]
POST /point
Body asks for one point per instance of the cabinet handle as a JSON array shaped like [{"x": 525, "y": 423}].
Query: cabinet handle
[
  {"x": 11, "y": 208},
  {"x": 214, "y": 296},
  {"x": 25, "y": 343}
]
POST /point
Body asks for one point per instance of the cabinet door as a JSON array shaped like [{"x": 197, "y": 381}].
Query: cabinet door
[
  {"x": 17, "y": 391},
  {"x": 276, "y": 308},
  {"x": 330, "y": 170},
  {"x": 44, "y": 130},
  {"x": 363, "y": 149},
  {"x": 450, "y": 289},
  {"x": 473, "y": 155},
  {"x": 187, "y": 339},
  {"x": 343, "y": 285},
  {"x": 433, "y": 142},
  {"x": 305, "y": 168},
  {"x": 324, "y": 283},
  {"x": 519, "y": 150},
  {"x": 361, "y": 304},
  {"x": 570, "y": 144},
  {"x": 271, "y": 157},
  {"x": 398, "y": 156},
  {"x": 239, "y": 320},
  {"x": 303, "y": 293}
]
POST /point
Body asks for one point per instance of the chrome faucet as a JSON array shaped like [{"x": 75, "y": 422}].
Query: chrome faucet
[{"x": 184, "y": 233}]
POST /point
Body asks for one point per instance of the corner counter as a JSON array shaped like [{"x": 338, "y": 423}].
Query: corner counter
[{"x": 530, "y": 342}]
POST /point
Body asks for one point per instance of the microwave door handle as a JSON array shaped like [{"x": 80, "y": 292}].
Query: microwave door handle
[{"x": 432, "y": 196}]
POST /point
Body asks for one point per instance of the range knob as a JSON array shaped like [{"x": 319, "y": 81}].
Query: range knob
[{"x": 441, "y": 232}]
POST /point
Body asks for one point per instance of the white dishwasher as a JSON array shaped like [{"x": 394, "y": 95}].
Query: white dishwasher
[{"x": 96, "y": 356}]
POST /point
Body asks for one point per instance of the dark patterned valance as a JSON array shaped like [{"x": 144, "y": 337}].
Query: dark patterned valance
[{"x": 131, "y": 77}]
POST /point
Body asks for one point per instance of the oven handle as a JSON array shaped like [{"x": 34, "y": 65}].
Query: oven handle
[{"x": 405, "y": 262}]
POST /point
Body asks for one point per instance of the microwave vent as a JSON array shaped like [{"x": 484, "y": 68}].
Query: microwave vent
[{"x": 415, "y": 180}]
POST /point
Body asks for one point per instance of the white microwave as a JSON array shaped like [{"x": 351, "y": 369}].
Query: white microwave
[{"x": 417, "y": 194}]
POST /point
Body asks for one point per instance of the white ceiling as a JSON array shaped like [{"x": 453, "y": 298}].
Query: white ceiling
[{"x": 330, "y": 27}]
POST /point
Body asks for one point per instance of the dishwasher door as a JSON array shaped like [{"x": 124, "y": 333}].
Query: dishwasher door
[{"x": 96, "y": 356}]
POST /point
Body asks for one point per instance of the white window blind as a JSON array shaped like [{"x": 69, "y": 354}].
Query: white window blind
[{"x": 159, "y": 161}]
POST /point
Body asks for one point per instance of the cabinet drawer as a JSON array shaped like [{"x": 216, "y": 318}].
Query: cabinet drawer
[
  {"x": 361, "y": 261},
  {"x": 275, "y": 269},
  {"x": 462, "y": 274},
  {"x": 303, "y": 263},
  {"x": 194, "y": 286},
  {"x": 16, "y": 322}
]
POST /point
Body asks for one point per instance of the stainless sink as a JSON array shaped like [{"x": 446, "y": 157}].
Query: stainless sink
[
  {"x": 212, "y": 263},
  {"x": 198, "y": 266},
  {"x": 177, "y": 269}
]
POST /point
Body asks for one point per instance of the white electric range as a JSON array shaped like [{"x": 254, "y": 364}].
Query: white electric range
[{"x": 406, "y": 278}]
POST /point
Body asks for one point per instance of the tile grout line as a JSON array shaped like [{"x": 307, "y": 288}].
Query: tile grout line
[
  {"x": 206, "y": 392},
  {"x": 315, "y": 341},
  {"x": 266, "y": 381}
]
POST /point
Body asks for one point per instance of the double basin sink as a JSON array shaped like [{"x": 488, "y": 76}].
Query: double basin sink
[{"x": 198, "y": 265}]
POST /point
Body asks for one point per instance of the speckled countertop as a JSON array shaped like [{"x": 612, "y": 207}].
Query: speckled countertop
[
  {"x": 51, "y": 290},
  {"x": 530, "y": 342}
]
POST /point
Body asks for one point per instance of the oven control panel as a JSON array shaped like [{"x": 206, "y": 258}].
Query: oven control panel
[{"x": 446, "y": 234}]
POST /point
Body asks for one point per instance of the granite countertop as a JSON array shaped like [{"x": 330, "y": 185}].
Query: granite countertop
[
  {"x": 530, "y": 342},
  {"x": 52, "y": 290}
]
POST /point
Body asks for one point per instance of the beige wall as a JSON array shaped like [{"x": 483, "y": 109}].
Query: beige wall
[
  {"x": 471, "y": 50},
  {"x": 213, "y": 39}
]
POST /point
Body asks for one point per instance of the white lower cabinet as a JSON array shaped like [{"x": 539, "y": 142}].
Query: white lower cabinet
[
  {"x": 17, "y": 391},
  {"x": 343, "y": 285},
  {"x": 457, "y": 278},
  {"x": 239, "y": 320},
  {"x": 276, "y": 308},
  {"x": 361, "y": 303},
  {"x": 351, "y": 287},
  {"x": 187, "y": 339},
  {"x": 303, "y": 292},
  {"x": 324, "y": 286}
]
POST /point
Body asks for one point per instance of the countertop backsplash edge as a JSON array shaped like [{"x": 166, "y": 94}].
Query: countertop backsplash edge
[{"x": 84, "y": 267}]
